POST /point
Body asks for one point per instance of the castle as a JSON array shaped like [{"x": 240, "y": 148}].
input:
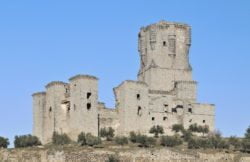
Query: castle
[{"x": 164, "y": 94}]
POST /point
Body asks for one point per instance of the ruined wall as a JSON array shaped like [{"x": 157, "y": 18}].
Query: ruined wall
[
  {"x": 39, "y": 106},
  {"x": 132, "y": 104},
  {"x": 107, "y": 117},
  {"x": 202, "y": 114},
  {"x": 124, "y": 154}
]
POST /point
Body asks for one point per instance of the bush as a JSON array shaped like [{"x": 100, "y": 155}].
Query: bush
[
  {"x": 92, "y": 140},
  {"x": 156, "y": 130},
  {"x": 199, "y": 143},
  {"x": 171, "y": 141},
  {"x": 246, "y": 145},
  {"x": 82, "y": 139},
  {"x": 193, "y": 128},
  {"x": 60, "y": 139},
  {"x": 4, "y": 142},
  {"x": 247, "y": 134},
  {"x": 217, "y": 141},
  {"x": 145, "y": 141},
  {"x": 178, "y": 128},
  {"x": 199, "y": 129},
  {"x": 121, "y": 140},
  {"x": 235, "y": 142},
  {"x": 108, "y": 133},
  {"x": 112, "y": 158},
  {"x": 187, "y": 135},
  {"x": 214, "y": 142},
  {"x": 246, "y": 141},
  {"x": 132, "y": 136},
  {"x": 26, "y": 141}
]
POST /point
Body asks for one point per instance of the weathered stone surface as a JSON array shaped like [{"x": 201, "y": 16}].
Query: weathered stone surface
[
  {"x": 125, "y": 155},
  {"x": 165, "y": 93}
]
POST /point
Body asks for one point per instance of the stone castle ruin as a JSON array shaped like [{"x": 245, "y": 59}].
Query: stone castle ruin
[{"x": 164, "y": 94}]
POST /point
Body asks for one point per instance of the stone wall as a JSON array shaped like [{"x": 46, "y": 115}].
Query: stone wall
[{"x": 77, "y": 154}]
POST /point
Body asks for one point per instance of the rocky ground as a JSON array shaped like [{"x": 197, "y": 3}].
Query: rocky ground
[{"x": 123, "y": 153}]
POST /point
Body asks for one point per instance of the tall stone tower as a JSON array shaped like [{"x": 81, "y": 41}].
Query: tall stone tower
[{"x": 164, "y": 49}]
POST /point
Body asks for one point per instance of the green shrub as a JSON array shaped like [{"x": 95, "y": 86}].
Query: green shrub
[
  {"x": 26, "y": 141},
  {"x": 60, "y": 139},
  {"x": 246, "y": 145},
  {"x": 199, "y": 129},
  {"x": 177, "y": 128},
  {"x": 217, "y": 141},
  {"x": 132, "y": 137},
  {"x": 121, "y": 140},
  {"x": 235, "y": 142},
  {"x": 246, "y": 141},
  {"x": 156, "y": 130},
  {"x": 193, "y": 127},
  {"x": 4, "y": 142},
  {"x": 82, "y": 139},
  {"x": 247, "y": 134},
  {"x": 203, "y": 129},
  {"x": 196, "y": 143},
  {"x": 92, "y": 140},
  {"x": 214, "y": 142},
  {"x": 187, "y": 135},
  {"x": 171, "y": 141},
  {"x": 145, "y": 141},
  {"x": 108, "y": 133},
  {"x": 223, "y": 144},
  {"x": 112, "y": 158}
]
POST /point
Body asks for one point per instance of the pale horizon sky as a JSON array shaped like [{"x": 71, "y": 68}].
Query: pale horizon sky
[{"x": 43, "y": 41}]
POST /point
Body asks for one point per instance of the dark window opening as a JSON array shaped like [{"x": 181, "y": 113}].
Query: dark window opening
[
  {"x": 164, "y": 43},
  {"x": 138, "y": 96},
  {"x": 190, "y": 120},
  {"x": 68, "y": 106},
  {"x": 174, "y": 110},
  {"x": 88, "y": 95},
  {"x": 74, "y": 107},
  {"x": 165, "y": 105},
  {"x": 190, "y": 110},
  {"x": 88, "y": 106},
  {"x": 179, "y": 106},
  {"x": 139, "y": 111},
  {"x": 75, "y": 85},
  {"x": 50, "y": 109},
  {"x": 164, "y": 118},
  {"x": 204, "y": 121},
  {"x": 153, "y": 118}
]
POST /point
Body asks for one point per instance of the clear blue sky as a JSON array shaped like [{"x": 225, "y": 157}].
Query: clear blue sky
[{"x": 46, "y": 40}]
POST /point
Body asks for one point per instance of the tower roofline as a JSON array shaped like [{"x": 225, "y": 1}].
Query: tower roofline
[
  {"x": 166, "y": 23},
  {"x": 81, "y": 76},
  {"x": 38, "y": 93},
  {"x": 55, "y": 83}
]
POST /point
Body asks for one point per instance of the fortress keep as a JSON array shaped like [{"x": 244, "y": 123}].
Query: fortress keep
[{"x": 164, "y": 94}]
